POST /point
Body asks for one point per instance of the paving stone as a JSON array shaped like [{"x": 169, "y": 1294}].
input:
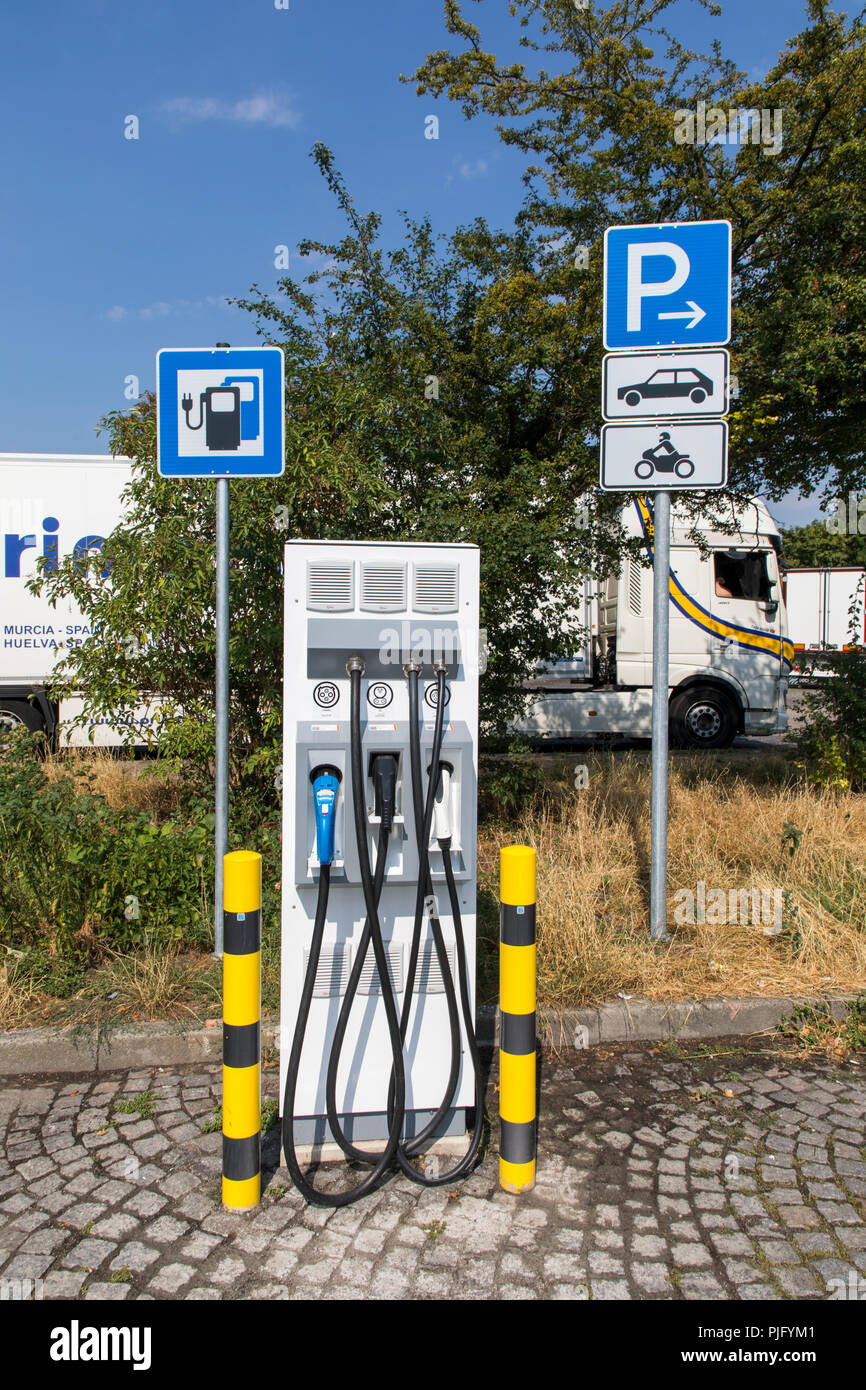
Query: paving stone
[
  {"x": 651, "y": 1277},
  {"x": 608, "y": 1289},
  {"x": 171, "y": 1278},
  {"x": 779, "y": 1252},
  {"x": 88, "y": 1253},
  {"x": 115, "y": 1226},
  {"x": 689, "y": 1256},
  {"x": 800, "y": 1218},
  {"x": 625, "y": 1200},
  {"x": 23, "y": 1266},
  {"x": 839, "y": 1213},
  {"x": 166, "y": 1229},
  {"x": 727, "y": 1244},
  {"x": 798, "y": 1282},
  {"x": 44, "y": 1242},
  {"x": 83, "y": 1213},
  {"x": 145, "y": 1203},
  {"x": 61, "y": 1283},
  {"x": 136, "y": 1256}
]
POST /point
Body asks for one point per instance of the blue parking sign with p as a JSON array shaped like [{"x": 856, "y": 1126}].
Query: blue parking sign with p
[{"x": 667, "y": 285}]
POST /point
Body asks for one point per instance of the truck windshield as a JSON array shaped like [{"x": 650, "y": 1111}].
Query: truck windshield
[{"x": 743, "y": 575}]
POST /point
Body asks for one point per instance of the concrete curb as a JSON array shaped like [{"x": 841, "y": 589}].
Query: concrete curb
[
  {"x": 642, "y": 1020},
  {"x": 34, "y": 1050}
]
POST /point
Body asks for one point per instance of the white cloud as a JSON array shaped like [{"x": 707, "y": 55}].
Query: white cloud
[
  {"x": 264, "y": 108},
  {"x": 160, "y": 310},
  {"x": 167, "y": 308},
  {"x": 472, "y": 168}
]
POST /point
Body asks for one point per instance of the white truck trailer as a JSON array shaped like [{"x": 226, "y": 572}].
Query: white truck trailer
[
  {"x": 51, "y": 505},
  {"x": 819, "y": 603},
  {"x": 729, "y": 648}
]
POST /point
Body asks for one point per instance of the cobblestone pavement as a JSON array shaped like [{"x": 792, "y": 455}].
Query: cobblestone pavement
[{"x": 659, "y": 1176}]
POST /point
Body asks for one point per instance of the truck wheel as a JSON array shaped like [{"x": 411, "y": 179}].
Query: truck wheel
[
  {"x": 17, "y": 713},
  {"x": 702, "y": 717}
]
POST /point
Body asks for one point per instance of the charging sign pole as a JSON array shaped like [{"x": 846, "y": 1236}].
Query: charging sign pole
[
  {"x": 666, "y": 286},
  {"x": 220, "y": 414}
]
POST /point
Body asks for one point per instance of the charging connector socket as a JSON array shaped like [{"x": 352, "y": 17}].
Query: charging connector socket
[{"x": 383, "y": 771}]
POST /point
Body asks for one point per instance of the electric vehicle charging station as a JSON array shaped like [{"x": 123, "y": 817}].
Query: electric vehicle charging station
[{"x": 375, "y": 635}]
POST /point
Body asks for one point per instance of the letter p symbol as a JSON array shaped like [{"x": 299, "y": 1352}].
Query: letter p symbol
[{"x": 639, "y": 289}]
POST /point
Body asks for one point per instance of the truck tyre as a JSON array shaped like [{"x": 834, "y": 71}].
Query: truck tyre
[
  {"x": 703, "y": 717},
  {"x": 15, "y": 713}
]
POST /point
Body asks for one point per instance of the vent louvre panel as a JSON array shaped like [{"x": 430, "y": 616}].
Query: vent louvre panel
[
  {"x": 332, "y": 974},
  {"x": 428, "y": 979},
  {"x": 370, "y": 983},
  {"x": 435, "y": 589},
  {"x": 330, "y": 587},
  {"x": 383, "y": 588}
]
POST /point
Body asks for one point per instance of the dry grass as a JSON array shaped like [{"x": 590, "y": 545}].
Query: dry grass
[
  {"x": 727, "y": 820},
  {"x": 20, "y": 1003},
  {"x": 152, "y": 985},
  {"x": 124, "y": 783},
  {"x": 124, "y": 988},
  {"x": 593, "y": 885}
]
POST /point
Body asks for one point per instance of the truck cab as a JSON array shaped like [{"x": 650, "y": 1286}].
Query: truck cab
[{"x": 729, "y": 648}]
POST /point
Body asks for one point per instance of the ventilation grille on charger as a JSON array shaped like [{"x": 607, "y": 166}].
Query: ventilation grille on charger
[
  {"x": 435, "y": 589},
  {"x": 429, "y": 977},
  {"x": 330, "y": 587},
  {"x": 383, "y": 588},
  {"x": 370, "y": 982},
  {"x": 332, "y": 974}
]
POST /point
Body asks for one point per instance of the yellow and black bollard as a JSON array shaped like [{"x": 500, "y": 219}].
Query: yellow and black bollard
[
  {"x": 242, "y": 1030},
  {"x": 517, "y": 1145}
]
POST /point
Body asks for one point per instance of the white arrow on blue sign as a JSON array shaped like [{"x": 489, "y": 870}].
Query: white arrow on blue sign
[{"x": 667, "y": 285}]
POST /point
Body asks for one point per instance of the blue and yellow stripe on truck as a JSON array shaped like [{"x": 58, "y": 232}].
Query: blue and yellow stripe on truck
[{"x": 690, "y": 608}]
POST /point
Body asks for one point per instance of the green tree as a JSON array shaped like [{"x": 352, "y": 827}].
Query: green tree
[
  {"x": 596, "y": 103},
  {"x": 420, "y": 406},
  {"x": 817, "y": 546}
]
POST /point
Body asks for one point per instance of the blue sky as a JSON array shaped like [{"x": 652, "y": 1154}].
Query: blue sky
[{"x": 113, "y": 248}]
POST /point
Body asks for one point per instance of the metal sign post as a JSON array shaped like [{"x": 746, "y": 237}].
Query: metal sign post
[
  {"x": 666, "y": 287},
  {"x": 661, "y": 680},
  {"x": 221, "y": 808},
  {"x": 220, "y": 414}
]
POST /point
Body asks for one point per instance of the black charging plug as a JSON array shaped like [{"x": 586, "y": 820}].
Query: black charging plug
[{"x": 383, "y": 770}]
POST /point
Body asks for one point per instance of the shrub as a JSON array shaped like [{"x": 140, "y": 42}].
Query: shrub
[
  {"x": 78, "y": 876},
  {"x": 832, "y": 743},
  {"x": 508, "y": 785}
]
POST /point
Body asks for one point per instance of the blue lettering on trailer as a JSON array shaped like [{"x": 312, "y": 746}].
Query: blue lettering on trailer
[{"x": 15, "y": 545}]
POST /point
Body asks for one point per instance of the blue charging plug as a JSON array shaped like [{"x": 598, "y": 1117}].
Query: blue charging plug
[{"x": 326, "y": 781}]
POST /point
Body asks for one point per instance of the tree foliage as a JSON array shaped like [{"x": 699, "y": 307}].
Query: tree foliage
[
  {"x": 817, "y": 546},
  {"x": 420, "y": 406},
  {"x": 600, "y": 126},
  {"x": 447, "y": 389}
]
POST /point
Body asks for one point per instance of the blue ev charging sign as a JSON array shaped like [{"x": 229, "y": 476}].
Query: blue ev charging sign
[
  {"x": 667, "y": 285},
  {"x": 220, "y": 412}
]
